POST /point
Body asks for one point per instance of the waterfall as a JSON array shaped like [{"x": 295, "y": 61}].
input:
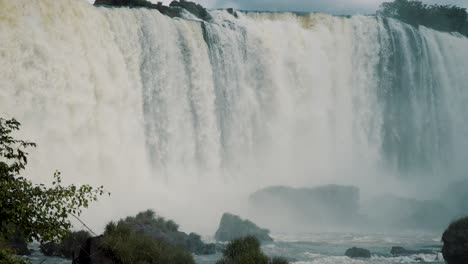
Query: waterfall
[{"x": 135, "y": 100}]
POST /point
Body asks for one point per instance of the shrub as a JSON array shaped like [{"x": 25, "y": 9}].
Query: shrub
[
  {"x": 6, "y": 257},
  {"x": 125, "y": 245},
  {"x": 247, "y": 251},
  {"x": 148, "y": 222}
]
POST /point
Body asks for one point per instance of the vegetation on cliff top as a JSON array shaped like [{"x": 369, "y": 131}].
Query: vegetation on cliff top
[{"x": 449, "y": 18}]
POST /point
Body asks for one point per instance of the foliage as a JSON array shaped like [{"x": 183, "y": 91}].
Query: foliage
[
  {"x": 7, "y": 257},
  {"x": 279, "y": 260},
  {"x": 148, "y": 221},
  {"x": 41, "y": 212},
  {"x": 125, "y": 245},
  {"x": 440, "y": 17},
  {"x": 247, "y": 251}
]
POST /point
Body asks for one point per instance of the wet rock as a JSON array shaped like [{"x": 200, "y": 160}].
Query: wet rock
[
  {"x": 125, "y": 3},
  {"x": 173, "y": 10},
  {"x": 194, "y": 8},
  {"x": 232, "y": 12},
  {"x": 233, "y": 227},
  {"x": 166, "y": 10},
  {"x": 401, "y": 251},
  {"x": 355, "y": 252},
  {"x": 455, "y": 239}
]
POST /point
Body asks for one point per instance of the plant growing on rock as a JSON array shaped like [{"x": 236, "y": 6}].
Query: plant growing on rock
[{"x": 6, "y": 257}]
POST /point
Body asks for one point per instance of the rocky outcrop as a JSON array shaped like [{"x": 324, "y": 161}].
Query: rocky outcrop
[
  {"x": 455, "y": 239},
  {"x": 194, "y": 8},
  {"x": 173, "y": 10},
  {"x": 358, "y": 253},
  {"x": 401, "y": 251},
  {"x": 126, "y": 3},
  {"x": 233, "y": 227},
  {"x": 232, "y": 12},
  {"x": 329, "y": 205}
]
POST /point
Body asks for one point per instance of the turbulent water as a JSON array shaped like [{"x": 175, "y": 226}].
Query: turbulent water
[
  {"x": 189, "y": 117},
  {"x": 328, "y": 248}
]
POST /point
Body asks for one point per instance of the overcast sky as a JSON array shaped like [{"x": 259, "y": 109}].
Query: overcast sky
[{"x": 328, "y": 6}]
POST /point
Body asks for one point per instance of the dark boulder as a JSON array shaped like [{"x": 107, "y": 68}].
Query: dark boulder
[
  {"x": 233, "y": 227},
  {"x": 232, "y": 12},
  {"x": 401, "y": 251},
  {"x": 165, "y": 10},
  {"x": 455, "y": 239},
  {"x": 355, "y": 252},
  {"x": 125, "y": 3},
  {"x": 173, "y": 10},
  {"x": 194, "y": 8}
]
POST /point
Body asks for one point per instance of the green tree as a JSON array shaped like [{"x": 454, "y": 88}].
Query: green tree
[{"x": 42, "y": 213}]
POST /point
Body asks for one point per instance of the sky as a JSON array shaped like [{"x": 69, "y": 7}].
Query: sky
[{"x": 327, "y": 6}]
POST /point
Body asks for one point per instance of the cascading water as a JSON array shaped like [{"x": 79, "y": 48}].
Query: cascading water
[{"x": 163, "y": 110}]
